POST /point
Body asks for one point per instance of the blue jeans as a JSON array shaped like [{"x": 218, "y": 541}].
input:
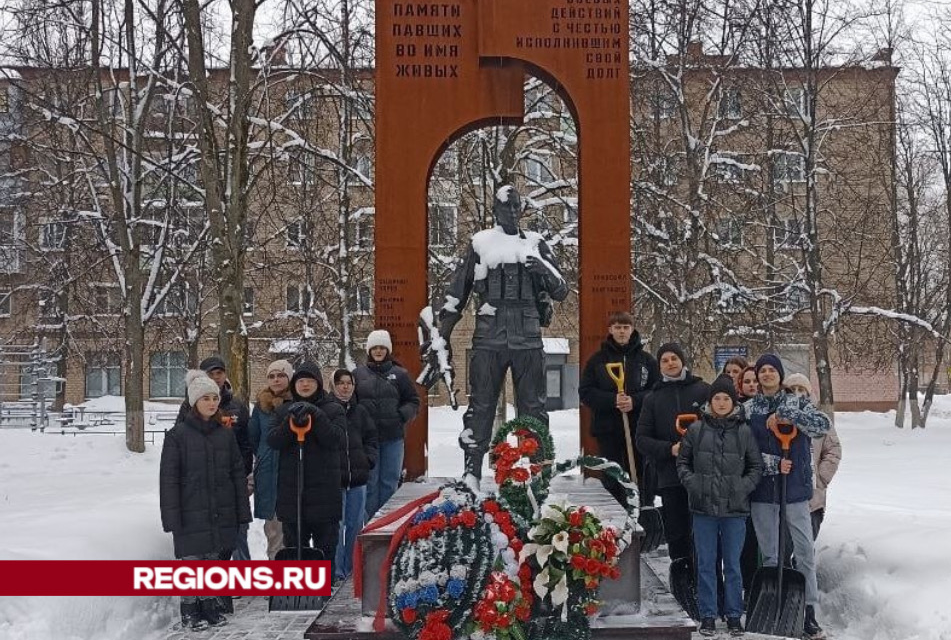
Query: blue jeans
[
  {"x": 385, "y": 476},
  {"x": 354, "y": 512},
  {"x": 731, "y": 532}
]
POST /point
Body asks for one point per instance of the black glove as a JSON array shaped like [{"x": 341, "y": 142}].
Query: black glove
[{"x": 299, "y": 412}]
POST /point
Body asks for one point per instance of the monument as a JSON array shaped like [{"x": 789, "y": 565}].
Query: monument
[{"x": 446, "y": 69}]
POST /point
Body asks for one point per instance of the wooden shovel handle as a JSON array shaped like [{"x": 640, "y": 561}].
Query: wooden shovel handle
[{"x": 301, "y": 431}]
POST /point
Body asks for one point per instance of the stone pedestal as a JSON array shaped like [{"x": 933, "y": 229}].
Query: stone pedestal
[{"x": 626, "y": 589}]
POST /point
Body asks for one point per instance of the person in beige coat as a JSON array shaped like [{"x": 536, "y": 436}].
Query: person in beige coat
[{"x": 826, "y": 454}]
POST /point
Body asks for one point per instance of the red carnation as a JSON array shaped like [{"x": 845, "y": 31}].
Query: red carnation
[
  {"x": 591, "y": 583},
  {"x": 529, "y": 446},
  {"x": 491, "y": 506},
  {"x": 605, "y": 570},
  {"x": 523, "y": 612},
  {"x": 468, "y": 518},
  {"x": 578, "y": 562},
  {"x": 525, "y": 572},
  {"x": 591, "y": 608},
  {"x": 409, "y": 615},
  {"x": 596, "y": 546},
  {"x": 515, "y": 545},
  {"x": 507, "y": 593},
  {"x": 505, "y": 620},
  {"x": 491, "y": 615},
  {"x": 575, "y": 519},
  {"x": 592, "y": 566},
  {"x": 520, "y": 475},
  {"x": 503, "y": 517},
  {"x": 574, "y": 537},
  {"x": 615, "y": 573}
]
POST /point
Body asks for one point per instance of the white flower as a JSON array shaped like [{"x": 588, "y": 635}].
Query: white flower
[
  {"x": 427, "y": 578},
  {"x": 442, "y": 579},
  {"x": 489, "y": 518},
  {"x": 550, "y": 513},
  {"x": 508, "y": 556},
  {"x": 544, "y": 550},
  {"x": 526, "y": 551},
  {"x": 512, "y": 440},
  {"x": 560, "y": 593},
  {"x": 458, "y": 572},
  {"x": 560, "y": 541},
  {"x": 500, "y": 540},
  {"x": 541, "y": 583}
]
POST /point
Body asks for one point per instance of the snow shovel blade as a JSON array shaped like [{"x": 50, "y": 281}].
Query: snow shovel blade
[
  {"x": 653, "y": 525},
  {"x": 767, "y": 614},
  {"x": 683, "y": 586},
  {"x": 297, "y": 603}
]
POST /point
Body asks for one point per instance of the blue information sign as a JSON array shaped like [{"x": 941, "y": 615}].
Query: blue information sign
[{"x": 723, "y": 353}]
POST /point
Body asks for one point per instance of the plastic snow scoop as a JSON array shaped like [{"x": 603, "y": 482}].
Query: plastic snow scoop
[
  {"x": 778, "y": 594},
  {"x": 300, "y": 552},
  {"x": 683, "y": 421},
  {"x": 649, "y": 518},
  {"x": 683, "y": 585}
]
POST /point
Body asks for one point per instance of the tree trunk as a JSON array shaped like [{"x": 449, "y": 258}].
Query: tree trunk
[{"x": 133, "y": 376}]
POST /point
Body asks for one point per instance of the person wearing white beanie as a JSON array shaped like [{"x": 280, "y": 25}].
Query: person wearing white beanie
[
  {"x": 202, "y": 490},
  {"x": 199, "y": 384},
  {"x": 379, "y": 338},
  {"x": 387, "y": 391},
  {"x": 798, "y": 384}
]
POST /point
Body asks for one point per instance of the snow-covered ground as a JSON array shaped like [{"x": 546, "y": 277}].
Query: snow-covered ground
[{"x": 885, "y": 568}]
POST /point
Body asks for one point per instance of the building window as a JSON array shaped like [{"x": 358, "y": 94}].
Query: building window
[
  {"x": 361, "y": 301},
  {"x": 663, "y": 105},
  {"x": 248, "y": 307},
  {"x": 300, "y": 104},
  {"x": 6, "y": 304},
  {"x": 442, "y": 225},
  {"x": 538, "y": 168},
  {"x": 301, "y": 169},
  {"x": 796, "y": 102},
  {"x": 294, "y": 234},
  {"x": 107, "y": 299},
  {"x": 298, "y": 298},
  {"x": 167, "y": 374},
  {"x": 541, "y": 100},
  {"x": 49, "y": 304},
  {"x": 789, "y": 167},
  {"x": 178, "y": 301},
  {"x": 363, "y": 232},
  {"x": 667, "y": 171},
  {"x": 103, "y": 375},
  {"x": 788, "y": 233},
  {"x": 729, "y": 233},
  {"x": 364, "y": 165},
  {"x": 730, "y": 107}
]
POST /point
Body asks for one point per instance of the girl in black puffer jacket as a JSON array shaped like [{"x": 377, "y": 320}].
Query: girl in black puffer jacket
[
  {"x": 356, "y": 460},
  {"x": 321, "y": 492},
  {"x": 720, "y": 465},
  {"x": 388, "y": 393},
  {"x": 203, "y": 490}
]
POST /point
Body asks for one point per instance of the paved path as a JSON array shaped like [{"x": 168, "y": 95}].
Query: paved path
[{"x": 251, "y": 621}]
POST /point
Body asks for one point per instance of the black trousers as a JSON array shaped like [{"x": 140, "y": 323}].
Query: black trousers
[
  {"x": 614, "y": 448},
  {"x": 320, "y": 535},
  {"x": 486, "y": 374},
  {"x": 677, "y": 522}
]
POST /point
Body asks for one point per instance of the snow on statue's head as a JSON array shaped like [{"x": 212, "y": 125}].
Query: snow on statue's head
[{"x": 507, "y": 208}]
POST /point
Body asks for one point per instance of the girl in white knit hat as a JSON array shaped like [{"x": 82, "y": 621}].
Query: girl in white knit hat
[{"x": 204, "y": 497}]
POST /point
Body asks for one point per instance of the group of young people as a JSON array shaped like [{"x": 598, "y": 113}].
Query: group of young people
[
  {"x": 711, "y": 453},
  {"x": 218, "y": 454}
]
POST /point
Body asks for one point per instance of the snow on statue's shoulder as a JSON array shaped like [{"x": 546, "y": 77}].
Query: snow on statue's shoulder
[{"x": 502, "y": 195}]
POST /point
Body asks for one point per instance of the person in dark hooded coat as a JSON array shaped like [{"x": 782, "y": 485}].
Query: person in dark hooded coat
[
  {"x": 203, "y": 494},
  {"x": 321, "y": 509},
  {"x": 599, "y": 393}
]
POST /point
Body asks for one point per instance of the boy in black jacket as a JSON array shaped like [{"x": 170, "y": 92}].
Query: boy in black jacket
[
  {"x": 599, "y": 393},
  {"x": 321, "y": 509}
]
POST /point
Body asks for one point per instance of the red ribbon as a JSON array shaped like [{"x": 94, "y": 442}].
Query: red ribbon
[{"x": 379, "y": 523}]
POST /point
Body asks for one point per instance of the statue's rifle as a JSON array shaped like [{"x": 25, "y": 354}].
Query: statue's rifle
[{"x": 435, "y": 354}]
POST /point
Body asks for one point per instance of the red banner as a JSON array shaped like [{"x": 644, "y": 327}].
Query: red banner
[{"x": 134, "y": 578}]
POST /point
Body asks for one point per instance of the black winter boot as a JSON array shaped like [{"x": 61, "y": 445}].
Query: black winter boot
[
  {"x": 734, "y": 626},
  {"x": 708, "y": 627},
  {"x": 211, "y": 613},
  {"x": 810, "y": 627},
  {"x": 191, "y": 617}
]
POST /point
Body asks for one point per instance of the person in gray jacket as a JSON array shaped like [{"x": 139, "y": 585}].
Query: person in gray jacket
[{"x": 719, "y": 465}]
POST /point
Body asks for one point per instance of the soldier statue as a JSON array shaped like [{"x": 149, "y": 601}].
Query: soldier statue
[{"x": 515, "y": 277}]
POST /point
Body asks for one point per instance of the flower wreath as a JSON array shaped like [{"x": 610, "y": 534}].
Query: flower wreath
[
  {"x": 441, "y": 566},
  {"x": 521, "y": 453}
]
